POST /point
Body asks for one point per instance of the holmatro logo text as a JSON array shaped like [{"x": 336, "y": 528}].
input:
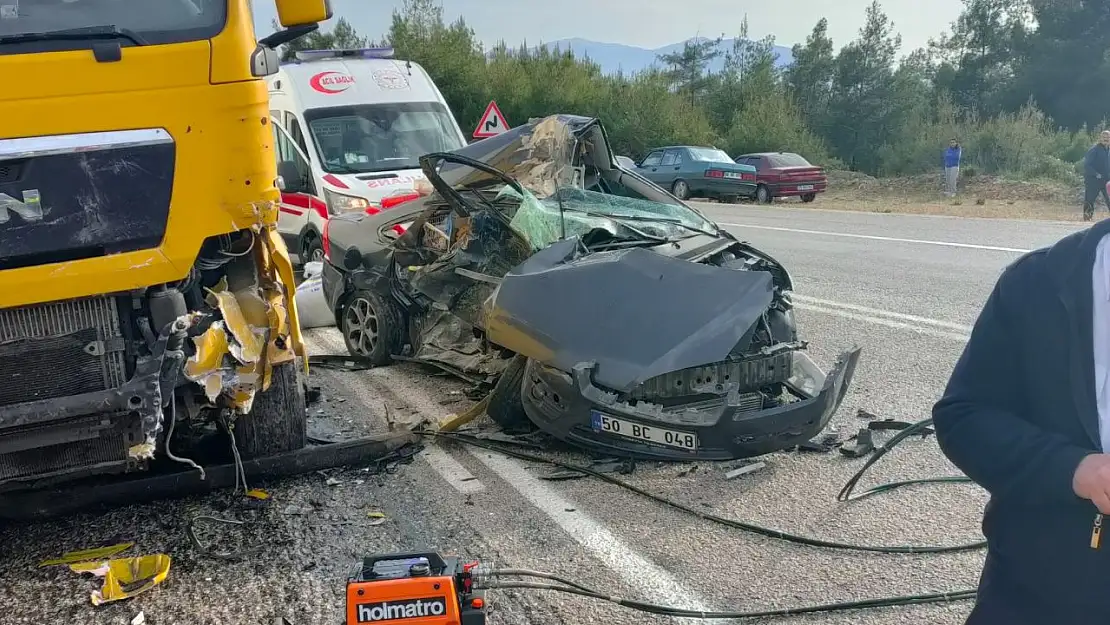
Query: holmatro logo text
[{"x": 409, "y": 608}]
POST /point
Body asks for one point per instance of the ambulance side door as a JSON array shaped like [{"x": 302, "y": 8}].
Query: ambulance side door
[{"x": 299, "y": 196}]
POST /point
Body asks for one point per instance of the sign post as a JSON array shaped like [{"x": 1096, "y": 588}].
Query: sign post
[{"x": 492, "y": 123}]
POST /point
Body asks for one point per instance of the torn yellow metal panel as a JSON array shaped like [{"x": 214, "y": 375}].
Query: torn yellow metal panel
[
  {"x": 125, "y": 577},
  {"x": 248, "y": 345},
  {"x": 206, "y": 366},
  {"x": 279, "y": 256}
]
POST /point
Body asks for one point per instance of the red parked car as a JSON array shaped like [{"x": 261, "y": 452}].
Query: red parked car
[{"x": 784, "y": 174}]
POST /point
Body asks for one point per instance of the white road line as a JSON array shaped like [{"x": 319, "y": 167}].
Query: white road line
[
  {"x": 900, "y": 325},
  {"x": 798, "y": 297},
  {"x": 992, "y": 248},
  {"x": 442, "y": 462},
  {"x": 652, "y": 582},
  {"x": 451, "y": 470}
]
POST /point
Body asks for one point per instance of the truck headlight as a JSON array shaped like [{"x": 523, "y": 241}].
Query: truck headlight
[{"x": 339, "y": 203}]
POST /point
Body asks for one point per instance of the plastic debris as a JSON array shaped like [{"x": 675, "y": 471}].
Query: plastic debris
[
  {"x": 744, "y": 470},
  {"x": 376, "y": 518},
  {"x": 125, "y": 578},
  {"x": 333, "y": 482},
  {"x": 258, "y": 493},
  {"x": 86, "y": 555},
  {"x": 140, "y": 619}
]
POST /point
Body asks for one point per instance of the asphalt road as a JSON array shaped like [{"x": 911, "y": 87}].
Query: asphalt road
[{"x": 905, "y": 288}]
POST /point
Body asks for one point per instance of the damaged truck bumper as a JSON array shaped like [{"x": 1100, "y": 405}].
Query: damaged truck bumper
[{"x": 571, "y": 408}]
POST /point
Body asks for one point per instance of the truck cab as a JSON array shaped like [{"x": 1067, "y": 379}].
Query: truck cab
[
  {"x": 350, "y": 126},
  {"x": 143, "y": 283}
]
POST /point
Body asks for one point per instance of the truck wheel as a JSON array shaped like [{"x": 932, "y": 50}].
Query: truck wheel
[
  {"x": 276, "y": 422},
  {"x": 763, "y": 195},
  {"x": 373, "y": 327},
  {"x": 505, "y": 406},
  {"x": 809, "y": 197}
]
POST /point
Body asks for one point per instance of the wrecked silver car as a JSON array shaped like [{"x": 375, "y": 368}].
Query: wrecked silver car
[{"x": 605, "y": 312}]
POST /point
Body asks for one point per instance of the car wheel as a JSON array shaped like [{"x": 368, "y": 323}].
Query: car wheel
[
  {"x": 313, "y": 251},
  {"x": 680, "y": 189},
  {"x": 276, "y": 421},
  {"x": 809, "y": 197},
  {"x": 373, "y": 327},
  {"x": 505, "y": 406},
  {"x": 763, "y": 195}
]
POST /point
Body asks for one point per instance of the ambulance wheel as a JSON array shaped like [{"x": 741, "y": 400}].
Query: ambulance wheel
[
  {"x": 276, "y": 421},
  {"x": 313, "y": 251},
  {"x": 505, "y": 405}
]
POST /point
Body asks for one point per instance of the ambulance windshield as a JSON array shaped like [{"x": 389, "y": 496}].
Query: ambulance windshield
[{"x": 380, "y": 137}]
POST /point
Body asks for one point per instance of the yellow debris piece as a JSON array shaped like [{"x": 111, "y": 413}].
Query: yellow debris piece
[
  {"x": 454, "y": 422},
  {"x": 85, "y": 555},
  {"x": 125, "y": 577},
  {"x": 258, "y": 493}
]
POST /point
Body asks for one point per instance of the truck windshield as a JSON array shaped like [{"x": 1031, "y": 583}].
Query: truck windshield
[
  {"x": 380, "y": 137},
  {"x": 141, "y": 21}
]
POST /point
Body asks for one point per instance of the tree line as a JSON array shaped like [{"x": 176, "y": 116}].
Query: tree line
[{"x": 1022, "y": 84}]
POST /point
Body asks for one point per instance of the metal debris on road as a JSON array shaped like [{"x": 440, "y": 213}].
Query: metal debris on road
[
  {"x": 258, "y": 493},
  {"x": 125, "y": 578},
  {"x": 745, "y": 469}
]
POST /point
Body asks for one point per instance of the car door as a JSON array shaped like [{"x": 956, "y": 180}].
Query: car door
[
  {"x": 649, "y": 167},
  {"x": 669, "y": 168},
  {"x": 299, "y": 202}
]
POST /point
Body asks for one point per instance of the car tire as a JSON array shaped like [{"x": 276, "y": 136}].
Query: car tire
[
  {"x": 680, "y": 189},
  {"x": 313, "y": 250},
  {"x": 276, "y": 421},
  {"x": 373, "y": 327},
  {"x": 809, "y": 197},
  {"x": 763, "y": 194},
  {"x": 506, "y": 408}
]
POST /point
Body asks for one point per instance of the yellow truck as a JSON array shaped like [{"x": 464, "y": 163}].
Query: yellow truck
[{"x": 143, "y": 284}]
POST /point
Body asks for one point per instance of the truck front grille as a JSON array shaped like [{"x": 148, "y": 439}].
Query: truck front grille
[{"x": 60, "y": 349}]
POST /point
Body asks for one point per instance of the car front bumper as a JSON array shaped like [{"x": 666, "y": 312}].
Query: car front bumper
[{"x": 564, "y": 406}]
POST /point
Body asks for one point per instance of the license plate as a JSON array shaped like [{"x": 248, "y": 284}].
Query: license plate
[
  {"x": 805, "y": 187},
  {"x": 646, "y": 433},
  {"x": 733, "y": 174}
]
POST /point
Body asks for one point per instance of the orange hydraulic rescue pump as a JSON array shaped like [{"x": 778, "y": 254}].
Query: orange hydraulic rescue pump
[{"x": 414, "y": 589}]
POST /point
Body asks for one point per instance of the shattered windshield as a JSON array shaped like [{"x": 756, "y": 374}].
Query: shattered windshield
[
  {"x": 380, "y": 137},
  {"x": 543, "y": 222},
  {"x": 154, "y": 21}
]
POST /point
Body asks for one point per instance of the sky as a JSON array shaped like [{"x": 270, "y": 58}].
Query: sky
[{"x": 653, "y": 23}]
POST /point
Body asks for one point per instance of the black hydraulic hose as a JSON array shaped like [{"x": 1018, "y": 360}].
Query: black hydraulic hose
[
  {"x": 847, "y": 493},
  {"x": 865, "y": 604},
  {"x": 733, "y": 523}
]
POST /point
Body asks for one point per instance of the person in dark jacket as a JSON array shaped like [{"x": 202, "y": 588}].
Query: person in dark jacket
[
  {"x": 1026, "y": 415},
  {"x": 1096, "y": 174}
]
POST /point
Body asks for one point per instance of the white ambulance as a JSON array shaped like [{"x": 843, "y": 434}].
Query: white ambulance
[{"x": 350, "y": 127}]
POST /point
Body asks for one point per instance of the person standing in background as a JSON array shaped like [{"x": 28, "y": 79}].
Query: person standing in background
[
  {"x": 952, "y": 167},
  {"x": 1096, "y": 173}
]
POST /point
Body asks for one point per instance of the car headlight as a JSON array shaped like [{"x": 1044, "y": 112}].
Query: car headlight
[{"x": 339, "y": 203}]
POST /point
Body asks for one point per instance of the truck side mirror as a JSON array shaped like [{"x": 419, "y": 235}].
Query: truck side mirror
[{"x": 301, "y": 12}]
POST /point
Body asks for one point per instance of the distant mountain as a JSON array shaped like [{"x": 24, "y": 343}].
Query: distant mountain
[{"x": 615, "y": 56}]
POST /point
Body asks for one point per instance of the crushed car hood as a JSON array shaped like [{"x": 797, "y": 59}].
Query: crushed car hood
[{"x": 634, "y": 313}]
